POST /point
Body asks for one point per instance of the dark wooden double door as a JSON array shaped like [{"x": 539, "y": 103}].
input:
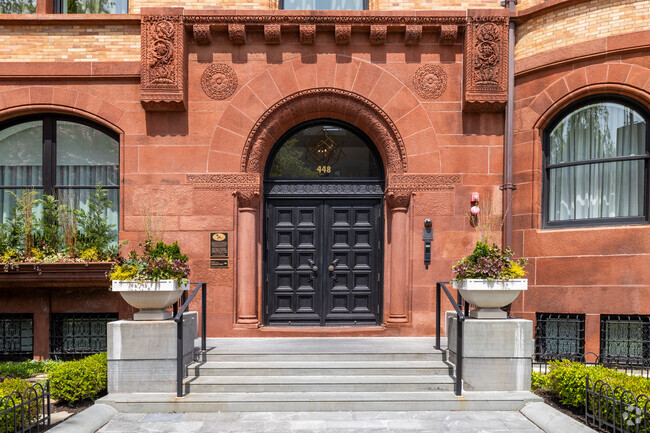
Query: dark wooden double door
[{"x": 323, "y": 262}]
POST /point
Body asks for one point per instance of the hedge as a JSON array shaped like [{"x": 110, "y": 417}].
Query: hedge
[
  {"x": 13, "y": 419},
  {"x": 74, "y": 381}
]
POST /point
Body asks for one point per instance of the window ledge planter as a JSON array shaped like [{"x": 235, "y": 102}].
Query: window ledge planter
[
  {"x": 489, "y": 296},
  {"x": 62, "y": 274},
  {"x": 151, "y": 297}
]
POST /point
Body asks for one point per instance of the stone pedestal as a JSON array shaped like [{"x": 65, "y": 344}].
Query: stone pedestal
[
  {"x": 496, "y": 353},
  {"x": 142, "y": 354}
]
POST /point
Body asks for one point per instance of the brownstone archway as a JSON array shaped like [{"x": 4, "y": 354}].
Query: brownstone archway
[{"x": 324, "y": 102}]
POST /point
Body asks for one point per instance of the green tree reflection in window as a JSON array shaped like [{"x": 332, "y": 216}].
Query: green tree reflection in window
[{"x": 17, "y": 6}]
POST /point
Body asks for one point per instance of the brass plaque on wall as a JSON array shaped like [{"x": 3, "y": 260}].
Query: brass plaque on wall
[
  {"x": 219, "y": 244},
  {"x": 219, "y": 263}
]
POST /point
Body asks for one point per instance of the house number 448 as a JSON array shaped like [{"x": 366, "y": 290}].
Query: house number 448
[{"x": 324, "y": 169}]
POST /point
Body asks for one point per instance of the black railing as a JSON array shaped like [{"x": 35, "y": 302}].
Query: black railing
[
  {"x": 458, "y": 387},
  {"x": 627, "y": 365},
  {"x": 178, "y": 318},
  {"x": 615, "y": 410},
  {"x": 26, "y": 411}
]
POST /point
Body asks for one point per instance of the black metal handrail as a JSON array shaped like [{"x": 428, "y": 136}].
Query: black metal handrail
[
  {"x": 178, "y": 318},
  {"x": 458, "y": 388}
]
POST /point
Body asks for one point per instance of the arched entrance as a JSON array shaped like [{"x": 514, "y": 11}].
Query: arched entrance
[{"x": 323, "y": 227}]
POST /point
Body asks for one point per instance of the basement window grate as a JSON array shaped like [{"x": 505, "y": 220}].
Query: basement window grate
[
  {"x": 16, "y": 337},
  {"x": 75, "y": 335},
  {"x": 625, "y": 339},
  {"x": 559, "y": 336}
]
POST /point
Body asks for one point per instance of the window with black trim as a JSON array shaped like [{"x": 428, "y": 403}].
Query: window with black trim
[
  {"x": 91, "y": 6},
  {"x": 596, "y": 164},
  {"x": 625, "y": 339},
  {"x": 17, "y": 6},
  {"x": 559, "y": 336},
  {"x": 58, "y": 155},
  {"x": 75, "y": 335},
  {"x": 16, "y": 337},
  {"x": 349, "y": 5}
]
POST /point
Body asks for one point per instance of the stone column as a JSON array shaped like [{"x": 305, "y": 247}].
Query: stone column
[
  {"x": 246, "y": 291},
  {"x": 398, "y": 204}
]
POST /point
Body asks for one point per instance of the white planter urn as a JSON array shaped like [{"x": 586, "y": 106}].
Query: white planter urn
[
  {"x": 152, "y": 297},
  {"x": 490, "y": 296}
]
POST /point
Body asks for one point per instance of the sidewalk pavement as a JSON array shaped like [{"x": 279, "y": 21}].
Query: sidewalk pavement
[{"x": 324, "y": 422}]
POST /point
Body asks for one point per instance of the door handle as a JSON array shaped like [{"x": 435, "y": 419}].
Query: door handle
[{"x": 313, "y": 265}]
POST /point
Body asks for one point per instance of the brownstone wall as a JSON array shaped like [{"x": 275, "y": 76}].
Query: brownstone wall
[{"x": 591, "y": 271}]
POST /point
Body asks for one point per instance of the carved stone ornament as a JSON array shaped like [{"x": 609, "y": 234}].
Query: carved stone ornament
[
  {"x": 202, "y": 34},
  {"x": 343, "y": 34},
  {"x": 219, "y": 81},
  {"x": 244, "y": 186},
  {"x": 413, "y": 35},
  {"x": 248, "y": 198},
  {"x": 430, "y": 81},
  {"x": 448, "y": 33},
  {"x": 237, "y": 33},
  {"x": 309, "y": 104},
  {"x": 307, "y": 34},
  {"x": 422, "y": 182},
  {"x": 398, "y": 200},
  {"x": 378, "y": 34},
  {"x": 162, "y": 68},
  {"x": 272, "y": 33},
  {"x": 486, "y": 64}
]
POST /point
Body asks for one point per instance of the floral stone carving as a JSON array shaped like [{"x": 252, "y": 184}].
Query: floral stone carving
[
  {"x": 430, "y": 81},
  {"x": 219, "y": 81}
]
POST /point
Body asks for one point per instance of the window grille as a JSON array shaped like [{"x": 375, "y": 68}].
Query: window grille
[
  {"x": 625, "y": 339},
  {"x": 559, "y": 336},
  {"x": 75, "y": 335},
  {"x": 16, "y": 337}
]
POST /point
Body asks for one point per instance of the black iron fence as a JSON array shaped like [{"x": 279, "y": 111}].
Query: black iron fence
[
  {"x": 28, "y": 411},
  {"x": 629, "y": 365},
  {"x": 615, "y": 410}
]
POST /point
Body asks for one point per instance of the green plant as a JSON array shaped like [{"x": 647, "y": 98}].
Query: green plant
[
  {"x": 48, "y": 224},
  {"x": 74, "y": 381},
  {"x": 539, "y": 381},
  {"x": 26, "y": 369},
  {"x": 157, "y": 262},
  {"x": 13, "y": 420},
  {"x": 95, "y": 231},
  {"x": 489, "y": 262}
]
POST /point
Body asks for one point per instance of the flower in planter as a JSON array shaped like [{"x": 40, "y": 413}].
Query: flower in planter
[
  {"x": 489, "y": 262},
  {"x": 157, "y": 262}
]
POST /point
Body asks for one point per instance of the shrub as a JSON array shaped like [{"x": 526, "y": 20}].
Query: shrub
[
  {"x": 567, "y": 379},
  {"x": 540, "y": 381},
  {"x": 13, "y": 420},
  {"x": 26, "y": 369},
  {"x": 74, "y": 381}
]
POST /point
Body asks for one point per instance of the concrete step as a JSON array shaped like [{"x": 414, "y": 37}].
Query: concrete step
[
  {"x": 317, "y": 368},
  {"x": 213, "y": 356},
  {"x": 317, "y": 401},
  {"x": 325, "y": 384}
]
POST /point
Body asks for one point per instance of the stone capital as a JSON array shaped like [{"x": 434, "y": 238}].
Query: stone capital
[
  {"x": 248, "y": 198},
  {"x": 398, "y": 200}
]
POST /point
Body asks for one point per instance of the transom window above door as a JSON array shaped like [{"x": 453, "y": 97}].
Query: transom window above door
[
  {"x": 323, "y": 149},
  {"x": 350, "y": 5},
  {"x": 596, "y": 164}
]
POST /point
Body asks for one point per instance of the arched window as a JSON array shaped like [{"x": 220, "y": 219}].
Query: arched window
[
  {"x": 596, "y": 164},
  {"x": 58, "y": 155},
  {"x": 324, "y": 149}
]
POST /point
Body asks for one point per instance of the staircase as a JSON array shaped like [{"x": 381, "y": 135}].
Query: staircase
[{"x": 318, "y": 374}]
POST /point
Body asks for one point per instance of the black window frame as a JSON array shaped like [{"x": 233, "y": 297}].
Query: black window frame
[
  {"x": 642, "y": 111},
  {"x": 49, "y": 185},
  {"x": 541, "y": 353},
  {"x": 17, "y": 318},
  {"x": 625, "y": 319},
  {"x": 366, "y": 6}
]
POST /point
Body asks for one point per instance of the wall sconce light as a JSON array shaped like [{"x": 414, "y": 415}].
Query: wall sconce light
[{"x": 474, "y": 210}]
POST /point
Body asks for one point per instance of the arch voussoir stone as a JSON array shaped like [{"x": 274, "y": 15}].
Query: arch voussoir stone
[{"x": 309, "y": 104}]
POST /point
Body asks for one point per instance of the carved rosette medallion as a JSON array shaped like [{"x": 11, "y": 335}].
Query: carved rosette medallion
[
  {"x": 162, "y": 69},
  {"x": 219, "y": 81},
  {"x": 430, "y": 81},
  {"x": 486, "y": 63}
]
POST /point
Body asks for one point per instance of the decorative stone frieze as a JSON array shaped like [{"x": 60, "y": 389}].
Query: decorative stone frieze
[
  {"x": 448, "y": 33},
  {"x": 272, "y": 33},
  {"x": 430, "y": 81},
  {"x": 486, "y": 63},
  {"x": 219, "y": 81},
  {"x": 237, "y": 34},
  {"x": 162, "y": 66},
  {"x": 343, "y": 34},
  {"x": 378, "y": 34},
  {"x": 307, "y": 34},
  {"x": 413, "y": 34},
  {"x": 399, "y": 183},
  {"x": 279, "y": 118},
  {"x": 201, "y": 33},
  {"x": 244, "y": 186}
]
